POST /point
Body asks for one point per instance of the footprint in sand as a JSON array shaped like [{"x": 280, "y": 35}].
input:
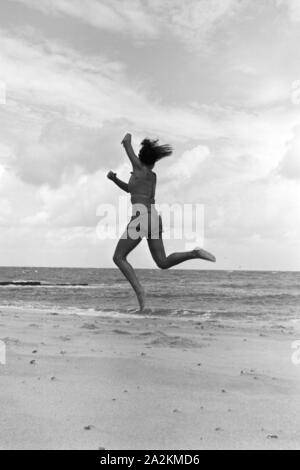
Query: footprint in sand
[
  {"x": 89, "y": 427},
  {"x": 144, "y": 333},
  {"x": 65, "y": 338},
  {"x": 89, "y": 326},
  {"x": 164, "y": 340},
  {"x": 248, "y": 372},
  {"x": 121, "y": 332},
  {"x": 14, "y": 341}
]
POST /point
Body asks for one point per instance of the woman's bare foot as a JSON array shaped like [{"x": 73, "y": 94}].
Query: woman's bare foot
[{"x": 202, "y": 254}]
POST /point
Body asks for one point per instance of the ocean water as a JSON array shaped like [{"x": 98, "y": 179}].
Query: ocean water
[{"x": 197, "y": 294}]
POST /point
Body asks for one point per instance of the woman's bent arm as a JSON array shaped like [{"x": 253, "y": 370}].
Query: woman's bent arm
[
  {"x": 113, "y": 177},
  {"x": 121, "y": 184}
]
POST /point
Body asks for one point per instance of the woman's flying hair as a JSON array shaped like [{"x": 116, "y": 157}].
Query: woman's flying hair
[{"x": 151, "y": 152}]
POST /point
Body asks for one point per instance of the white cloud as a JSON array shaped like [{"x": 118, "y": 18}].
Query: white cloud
[
  {"x": 64, "y": 150},
  {"x": 289, "y": 167},
  {"x": 127, "y": 16},
  {"x": 74, "y": 203},
  {"x": 293, "y": 8},
  {"x": 190, "y": 21},
  {"x": 270, "y": 91},
  {"x": 193, "y": 20},
  {"x": 58, "y": 81},
  {"x": 188, "y": 165}
]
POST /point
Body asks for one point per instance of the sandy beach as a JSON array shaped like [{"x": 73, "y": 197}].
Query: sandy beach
[{"x": 74, "y": 382}]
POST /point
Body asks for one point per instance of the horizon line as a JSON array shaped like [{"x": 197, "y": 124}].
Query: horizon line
[{"x": 154, "y": 269}]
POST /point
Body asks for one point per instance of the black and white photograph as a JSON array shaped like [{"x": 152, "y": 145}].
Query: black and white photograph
[{"x": 149, "y": 227}]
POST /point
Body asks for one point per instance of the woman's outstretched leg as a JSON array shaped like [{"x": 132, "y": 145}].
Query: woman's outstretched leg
[
  {"x": 124, "y": 247},
  {"x": 158, "y": 253}
]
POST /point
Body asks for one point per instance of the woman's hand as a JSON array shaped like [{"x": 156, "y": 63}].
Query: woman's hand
[
  {"x": 111, "y": 175},
  {"x": 127, "y": 139}
]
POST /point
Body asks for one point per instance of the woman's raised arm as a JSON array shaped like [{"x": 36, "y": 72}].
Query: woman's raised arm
[{"x": 126, "y": 142}]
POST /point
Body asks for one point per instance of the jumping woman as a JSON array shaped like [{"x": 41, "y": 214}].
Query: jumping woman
[{"x": 145, "y": 221}]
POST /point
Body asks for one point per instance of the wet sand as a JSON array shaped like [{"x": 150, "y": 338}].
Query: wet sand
[{"x": 75, "y": 382}]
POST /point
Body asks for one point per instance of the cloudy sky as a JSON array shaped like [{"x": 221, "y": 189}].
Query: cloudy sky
[{"x": 217, "y": 79}]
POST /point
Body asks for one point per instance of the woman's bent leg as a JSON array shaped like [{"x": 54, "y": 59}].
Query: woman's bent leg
[
  {"x": 158, "y": 253},
  {"x": 124, "y": 247}
]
